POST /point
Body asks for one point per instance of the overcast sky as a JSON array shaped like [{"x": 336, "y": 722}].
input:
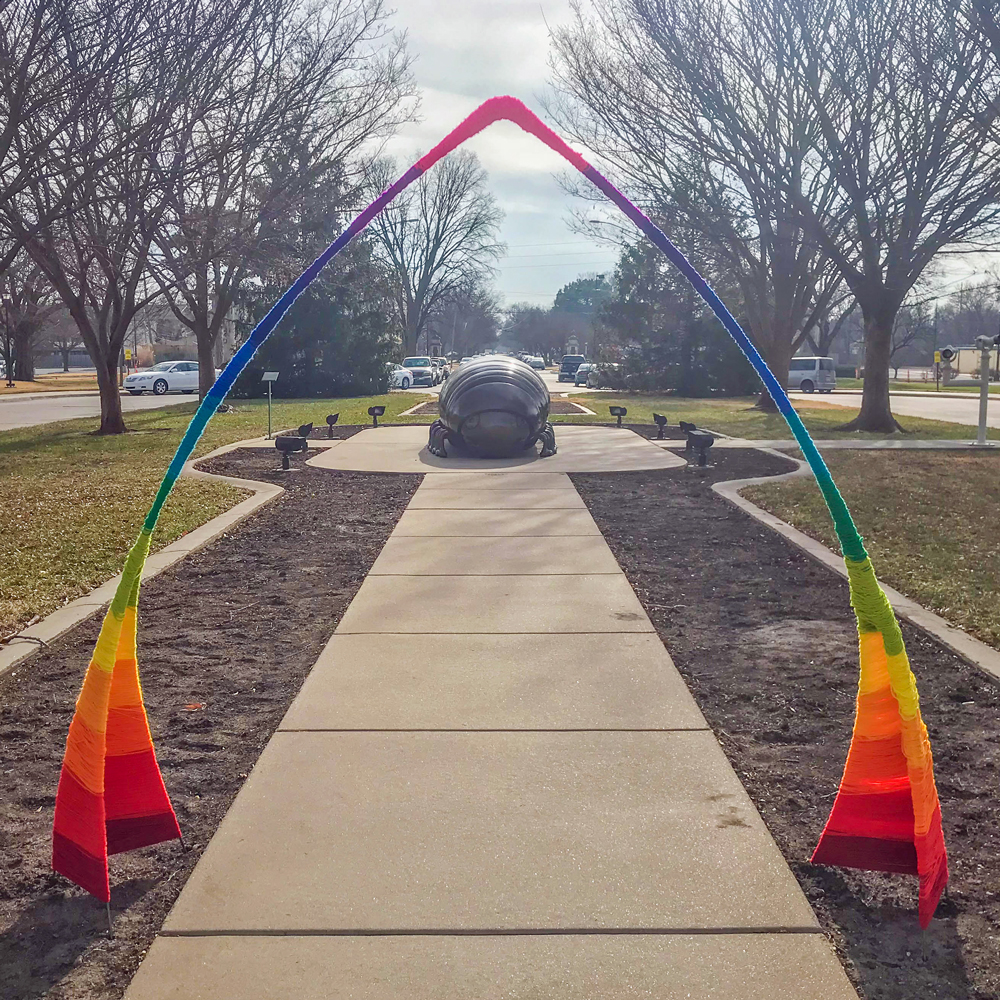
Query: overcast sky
[{"x": 466, "y": 51}]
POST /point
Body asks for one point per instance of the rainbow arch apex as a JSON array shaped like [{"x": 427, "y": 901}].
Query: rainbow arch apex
[{"x": 504, "y": 108}]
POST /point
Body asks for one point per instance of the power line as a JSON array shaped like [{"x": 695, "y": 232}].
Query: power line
[
  {"x": 570, "y": 253},
  {"x": 564, "y": 243},
  {"x": 568, "y": 263}
]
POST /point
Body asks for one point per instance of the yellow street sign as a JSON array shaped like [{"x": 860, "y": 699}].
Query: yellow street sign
[
  {"x": 937, "y": 357},
  {"x": 128, "y": 353}
]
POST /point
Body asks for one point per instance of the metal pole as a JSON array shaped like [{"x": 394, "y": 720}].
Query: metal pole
[
  {"x": 269, "y": 411},
  {"x": 984, "y": 393}
]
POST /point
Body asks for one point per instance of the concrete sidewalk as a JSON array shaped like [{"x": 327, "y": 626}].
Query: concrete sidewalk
[{"x": 494, "y": 783}]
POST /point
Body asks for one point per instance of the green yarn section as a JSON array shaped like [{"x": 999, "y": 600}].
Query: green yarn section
[
  {"x": 127, "y": 593},
  {"x": 872, "y": 607},
  {"x": 850, "y": 540}
]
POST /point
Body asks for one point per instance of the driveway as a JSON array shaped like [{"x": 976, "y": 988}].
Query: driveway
[
  {"x": 49, "y": 407},
  {"x": 932, "y": 405}
]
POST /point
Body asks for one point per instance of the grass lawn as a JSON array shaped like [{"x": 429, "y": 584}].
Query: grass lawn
[
  {"x": 56, "y": 382},
  {"x": 739, "y": 417},
  {"x": 72, "y": 503},
  {"x": 930, "y": 522}
]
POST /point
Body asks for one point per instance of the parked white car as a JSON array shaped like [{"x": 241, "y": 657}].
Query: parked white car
[
  {"x": 399, "y": 377},
  {"x": 167, "y": 376}
]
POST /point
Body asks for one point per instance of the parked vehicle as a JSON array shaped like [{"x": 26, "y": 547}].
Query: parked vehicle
[
  {"x": 399, "y": 377},
  {"x": 441, "y": 368},
  {"x": 467, "y": 358},
  {"x": 538, "y": 363},
  {"x": 568, "y": 367},
  {"x": 601, "y": 376},
  {"x": 167, "y": 376},
  {"x": 422, "y": 370},
  {"x": 812, "y": 374},
  {"x": 581, "y": 374}
]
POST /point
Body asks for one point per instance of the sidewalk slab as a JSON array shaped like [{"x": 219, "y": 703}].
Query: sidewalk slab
[
  {"x": 609, "y": 681},
  {"x": 497, "y": 481},
  {"x": 549, "y": 967},
  {"x": 581, "y": 449},
  {"x": 451, "y": 604},
  {"x": 357, "y": 832},
  {"x": 448, "y": 499},
  {"x": 431, "y": 523},
  {"x": 501, "y": 556}
]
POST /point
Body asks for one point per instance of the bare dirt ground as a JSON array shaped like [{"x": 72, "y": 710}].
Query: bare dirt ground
[
  {"x": 225, "y": 640},
  {"x": 766, "y": 641}
]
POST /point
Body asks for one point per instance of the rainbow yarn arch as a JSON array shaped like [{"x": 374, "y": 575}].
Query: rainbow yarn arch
[{"x": 886, "y": 816}]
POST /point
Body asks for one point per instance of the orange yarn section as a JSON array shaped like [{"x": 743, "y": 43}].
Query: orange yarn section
[
  {"x": 886, "y": 816},
  {"x": 111, "y": 797}
]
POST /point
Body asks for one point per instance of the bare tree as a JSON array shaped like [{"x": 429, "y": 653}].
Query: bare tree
[
  {"x": 437, "y": 238},
  {"x": 914, "y": 324},
  {"x": 829, "y": 324},
  {"x": 309, "y": 85},
  {"x": 61, "y": 336},
  {"x": 28, "y": 300},
  {"x": 53, "y": 55},
  {"x": 468, "y": 322},
  {"x": 111, "y": 166},
  {"x": 900, "y": 92},
  {"x": 694, "y": 108}
]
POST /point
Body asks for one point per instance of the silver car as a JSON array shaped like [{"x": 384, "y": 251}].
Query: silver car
[{"x": 812, "y": 374}]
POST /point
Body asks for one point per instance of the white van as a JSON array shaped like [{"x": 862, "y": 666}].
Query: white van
[{"x": 812, "y": 374}]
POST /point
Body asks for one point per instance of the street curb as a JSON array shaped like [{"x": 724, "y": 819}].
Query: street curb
[
  {"x": 70, "y": 615},
  {"x": 49, "y": 395},
  {"x": 971, "y": 650}
]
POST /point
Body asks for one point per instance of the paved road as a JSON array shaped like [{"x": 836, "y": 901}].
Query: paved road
[
  {"x": 936, "y": 406},
  {"x": 20, "y": 412}
]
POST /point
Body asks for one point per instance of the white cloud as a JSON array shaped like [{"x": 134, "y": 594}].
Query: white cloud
[{"x": 467, "y": 51}]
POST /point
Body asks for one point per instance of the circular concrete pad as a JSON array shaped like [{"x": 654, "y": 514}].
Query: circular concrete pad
[{"x": 581, "y": 449}]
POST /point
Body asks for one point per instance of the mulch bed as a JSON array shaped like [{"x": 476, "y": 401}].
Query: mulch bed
[
  {"x": 766, "y": 641},
  {"x": 225, "y": 640}
]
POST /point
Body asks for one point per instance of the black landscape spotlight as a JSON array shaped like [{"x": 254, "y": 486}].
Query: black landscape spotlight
[
  {"x": 287, "y": 444},
  {"x": 697, "y": 441},
  {"x": 661, "y": 421},
  {"x": 331, "y": 419},
  {"x": 305, "y": 430},
  {"x": 375, "y": 412},
  {"x": 619, "y": 412}
]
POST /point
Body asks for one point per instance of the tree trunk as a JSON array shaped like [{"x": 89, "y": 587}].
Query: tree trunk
[
  {"x": 876, "y": 414},
  {"x": 112, "y": 421},
  {"x": 777, "y": 354},
  {"x": 24, "y": 355},
  {"x": 206, "y": 360},
  {"x": 410, "y": 337},
  {"x": 65, "y": 356}
]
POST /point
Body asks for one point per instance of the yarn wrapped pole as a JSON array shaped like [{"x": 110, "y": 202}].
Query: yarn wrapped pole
[{"x": 886, "y": 816}]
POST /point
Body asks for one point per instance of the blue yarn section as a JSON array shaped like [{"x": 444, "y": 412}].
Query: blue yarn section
[{"x": 215, "y": 396}]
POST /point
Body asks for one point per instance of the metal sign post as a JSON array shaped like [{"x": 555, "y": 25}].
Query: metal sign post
[
  {"x": 984, "y": 344},
  {"x": 269, "y": 378}
]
